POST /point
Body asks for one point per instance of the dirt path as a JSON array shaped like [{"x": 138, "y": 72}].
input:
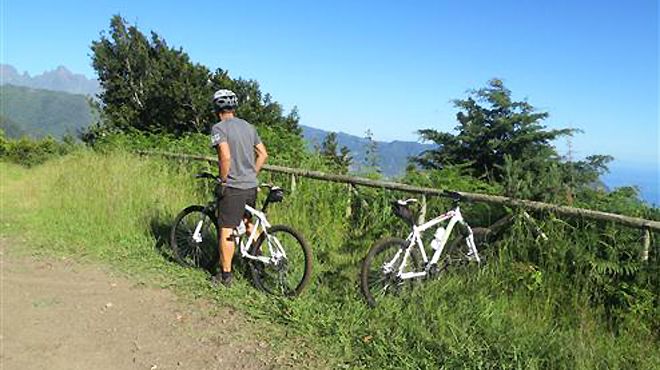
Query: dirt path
[{"x": 57, "y": 314}]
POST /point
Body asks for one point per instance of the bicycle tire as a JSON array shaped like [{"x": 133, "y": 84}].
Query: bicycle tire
[
  {"x": 369, "y": 278},
  {"x": 296, "y": 268},
  {"x": 189, "y": 252}
]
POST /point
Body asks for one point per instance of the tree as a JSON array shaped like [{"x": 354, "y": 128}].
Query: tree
[
  {"x": 371, "y": 153},
  {"x": 147, "y": 85},
  {"x": 341, "y": 159},
  {"x": 491, "y": 126},
  {"x": 150, "y": 87}
]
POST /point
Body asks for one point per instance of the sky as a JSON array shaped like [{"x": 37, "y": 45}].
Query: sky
[{"x": 390, "y": 66}]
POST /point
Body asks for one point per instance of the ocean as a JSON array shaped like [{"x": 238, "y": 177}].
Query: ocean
[{"x": 646, "y": 177}]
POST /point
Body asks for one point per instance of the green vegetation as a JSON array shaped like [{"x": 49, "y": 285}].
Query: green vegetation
[
  {"x": 339, "y": 159},
  {"x": 505, "y": 141},
  {"x": 151, "y": 87},
  {"x": 42, "y": 112},
  {"x": 583, "y": 299},
  {"x": 29, "y": 152}
]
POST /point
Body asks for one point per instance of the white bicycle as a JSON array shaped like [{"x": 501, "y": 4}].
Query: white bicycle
[
  {"x": 279, "y": 258},
  {"x": 393, "y": 263}
]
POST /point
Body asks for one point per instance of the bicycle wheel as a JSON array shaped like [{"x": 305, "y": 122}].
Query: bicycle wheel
[
  {"x": 290, "y": 267},
  {"x": 377, "y": 279},
  {"x": 194, "y": 238}
]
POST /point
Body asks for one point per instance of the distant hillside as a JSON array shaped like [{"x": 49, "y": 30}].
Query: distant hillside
[
  {"x": 38, "y": 113},
  {"x": 11, "y": 128},
  {"x": 60, "y": 79},
  {"x": 393, "y": 156}
]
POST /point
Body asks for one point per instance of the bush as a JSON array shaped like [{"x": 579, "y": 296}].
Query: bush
[{"x": 31, "y": 152}]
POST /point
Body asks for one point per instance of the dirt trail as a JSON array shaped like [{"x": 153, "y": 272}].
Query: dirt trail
[{"x": 57, "y": 314}]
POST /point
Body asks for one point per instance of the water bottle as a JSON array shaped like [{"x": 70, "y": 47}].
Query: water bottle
[
  {"x": 437, "y": 238},
  {"x": 240, "y": 229}
]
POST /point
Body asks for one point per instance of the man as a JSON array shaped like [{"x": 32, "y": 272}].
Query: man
[{"x": 241, "y": 154}]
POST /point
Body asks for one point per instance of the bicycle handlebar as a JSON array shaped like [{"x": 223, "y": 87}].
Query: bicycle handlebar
[{"x": 206, "y": 175}]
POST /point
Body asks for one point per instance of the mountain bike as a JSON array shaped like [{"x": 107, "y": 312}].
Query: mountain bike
[
  {"x": 393, "y": 263},
  {"x": 279, "y": 259}
]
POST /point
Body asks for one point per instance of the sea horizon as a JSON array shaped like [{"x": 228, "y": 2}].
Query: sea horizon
[{"x": 644, "y": 176}]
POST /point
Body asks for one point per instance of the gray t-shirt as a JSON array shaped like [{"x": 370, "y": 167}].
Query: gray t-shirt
[{"x": 241, "y": 137}]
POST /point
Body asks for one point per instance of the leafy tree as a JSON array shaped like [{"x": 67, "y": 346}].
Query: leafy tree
[
  {"x": 147, "y": 85},
  {"x": 339, "y": 158},
  {"x": 150, "y": 87},
  {"x": 491, "y": 126}
]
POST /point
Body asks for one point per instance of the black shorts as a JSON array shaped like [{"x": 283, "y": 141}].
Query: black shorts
[{"x": 231, "y": 206}]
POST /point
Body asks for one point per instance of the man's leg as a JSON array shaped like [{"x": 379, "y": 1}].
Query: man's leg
[
  {"x": 226, "y": 249},
  {"x": 230, "y": 209}
]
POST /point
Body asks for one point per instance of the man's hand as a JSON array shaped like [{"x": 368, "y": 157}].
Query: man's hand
[{"x": 261, "y": 156}]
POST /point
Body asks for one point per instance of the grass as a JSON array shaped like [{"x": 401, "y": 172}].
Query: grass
[{"x": 518, "y": 312}]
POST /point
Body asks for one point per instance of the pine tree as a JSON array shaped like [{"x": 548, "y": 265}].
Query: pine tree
[
  {"x": 491, "y": 126},
  {"x": 329, "y": 149}
]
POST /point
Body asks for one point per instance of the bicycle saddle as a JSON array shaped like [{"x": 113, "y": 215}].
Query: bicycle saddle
[
  {"x": 453, "y": 195},
  {"x": 407, "y": 201}
]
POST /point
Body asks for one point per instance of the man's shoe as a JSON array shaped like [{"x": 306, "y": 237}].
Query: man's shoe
[{"x": 223, "y": 278}]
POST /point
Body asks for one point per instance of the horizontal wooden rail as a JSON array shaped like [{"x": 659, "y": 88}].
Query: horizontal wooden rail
[{"x": 635, "y": 222}]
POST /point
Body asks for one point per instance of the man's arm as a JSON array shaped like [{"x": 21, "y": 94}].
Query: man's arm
[
  {"x": 261, "y": 156},
  {"x": 224, "y": 160}
]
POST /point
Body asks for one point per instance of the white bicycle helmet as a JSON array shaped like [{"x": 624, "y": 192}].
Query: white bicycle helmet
[{"x": 224, "y": 99}]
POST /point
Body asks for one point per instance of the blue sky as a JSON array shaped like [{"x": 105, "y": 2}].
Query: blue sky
[{"x": 391, "y": 66}]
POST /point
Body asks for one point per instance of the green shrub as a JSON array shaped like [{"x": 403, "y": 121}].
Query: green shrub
[{"x": 30, "y": 152}]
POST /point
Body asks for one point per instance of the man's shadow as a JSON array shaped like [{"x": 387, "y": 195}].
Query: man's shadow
[{"x": 161, "y": 229}]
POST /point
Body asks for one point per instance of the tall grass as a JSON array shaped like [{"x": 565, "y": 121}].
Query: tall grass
[{"x": 526, "y": 309}]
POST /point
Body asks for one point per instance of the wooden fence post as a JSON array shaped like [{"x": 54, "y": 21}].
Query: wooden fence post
[
  {"x": 349, "y": 205},
  {"x": 293, "y": 183},
  {"x": 646, "y": 244},
  {"x": 422, "y": 212}
]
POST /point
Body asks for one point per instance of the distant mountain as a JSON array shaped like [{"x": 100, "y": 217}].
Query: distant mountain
[
  {"x": 392, "y": 156},
  {"x": 60, "y": 79},
  {"x": 38, "y": 112}
]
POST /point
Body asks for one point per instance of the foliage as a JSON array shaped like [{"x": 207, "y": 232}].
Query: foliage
[
  {"x": 338, "y": 158},
  {"x": 150, "y": 87},
  {"x": 491, "y": 126},
  {"x": 283, "y": 150},
  {"x": 30, "y": 152}
]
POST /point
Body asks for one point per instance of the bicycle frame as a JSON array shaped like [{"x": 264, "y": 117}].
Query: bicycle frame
[
  {"x": 276, "y": 251},
  {"x": 244, "y": 246},
  {"x": 415, "y": 239}
]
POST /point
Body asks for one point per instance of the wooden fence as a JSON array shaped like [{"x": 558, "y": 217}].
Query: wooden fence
[{"x": 645, "y": 225}]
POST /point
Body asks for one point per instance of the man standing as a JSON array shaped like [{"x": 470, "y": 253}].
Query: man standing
[{"x": 241, "y": 154}]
